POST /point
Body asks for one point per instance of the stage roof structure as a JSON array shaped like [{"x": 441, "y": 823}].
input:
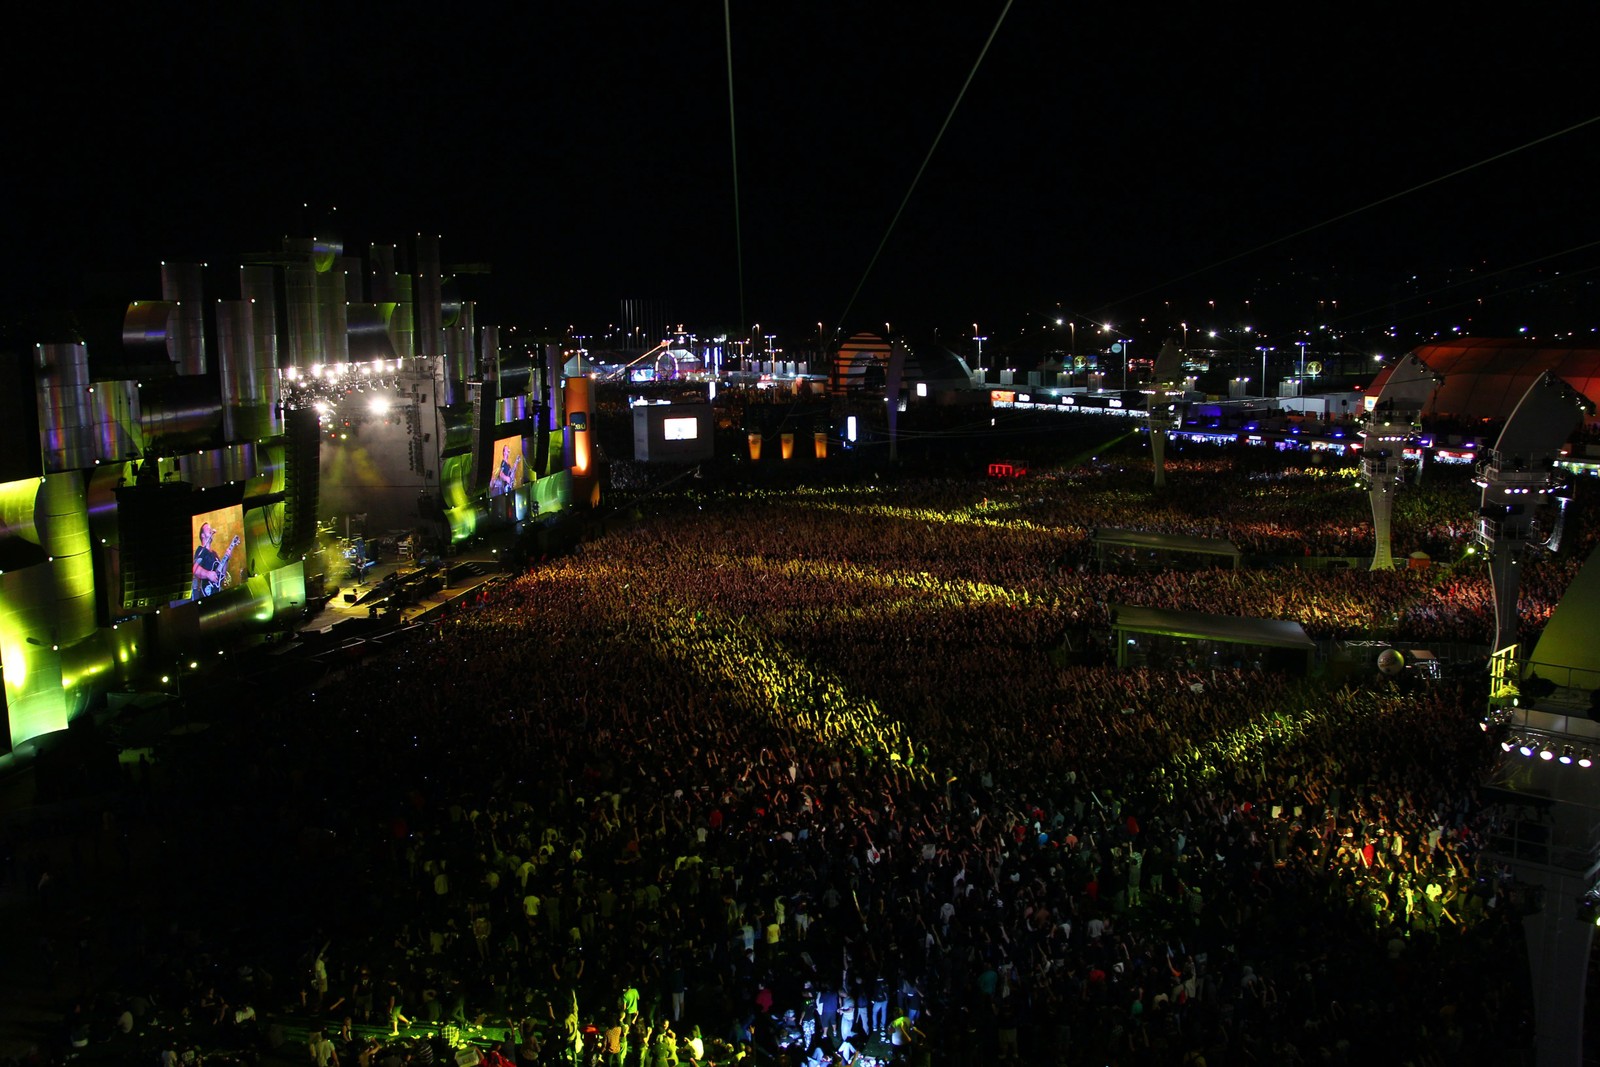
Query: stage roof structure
[
  {"x": 1567, "y": 652},
  {"x": 1485, "y": 377}
]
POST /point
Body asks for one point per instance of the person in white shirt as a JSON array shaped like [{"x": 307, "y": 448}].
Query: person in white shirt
[{"x": 323, "y": 1054}]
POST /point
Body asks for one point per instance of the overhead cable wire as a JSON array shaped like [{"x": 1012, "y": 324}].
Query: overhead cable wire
[
  {"x": 1355, "y": 315},
  {"x": 1356, "y": 211},
  {"x": 925, "y": 160},
  {"x": 733, "y": 145},
  {"x": 1471, "y": 301}
]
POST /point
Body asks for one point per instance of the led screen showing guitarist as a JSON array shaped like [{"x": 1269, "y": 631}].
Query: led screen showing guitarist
[
  {"x": 508, "y": 472},
  {"x": 211, "y": 570}
]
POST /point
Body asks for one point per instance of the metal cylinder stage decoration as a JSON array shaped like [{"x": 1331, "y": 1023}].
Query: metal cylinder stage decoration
[
  {"x": 184, "y": 285},
  {"x": 66, "y": 432}
]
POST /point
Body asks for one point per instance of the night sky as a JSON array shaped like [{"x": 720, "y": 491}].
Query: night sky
[{"x": 1101, "y": 154}]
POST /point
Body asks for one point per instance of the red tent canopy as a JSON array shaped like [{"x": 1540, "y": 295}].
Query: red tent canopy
[{"x": 1485, "y": 377}]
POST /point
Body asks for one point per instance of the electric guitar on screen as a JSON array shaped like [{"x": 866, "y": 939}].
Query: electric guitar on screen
[
  {"x": 210, "y": 588},
  {"x": 507, "y": 477}
]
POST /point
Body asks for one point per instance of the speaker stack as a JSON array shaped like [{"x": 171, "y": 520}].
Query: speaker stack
[{"x": 302, "y": 480}]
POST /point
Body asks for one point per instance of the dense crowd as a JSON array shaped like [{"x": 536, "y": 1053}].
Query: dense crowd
[{"x": 837, "y": 772}]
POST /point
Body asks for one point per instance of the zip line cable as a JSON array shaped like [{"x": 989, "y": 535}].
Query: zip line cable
[
  {"x": 733, "y": 144},
  {"x": 1381, "y": 313},
  {"x": 931, "y": 149},
  {"x": 1356, "y": 211},
  {"x": 1471, "y": 300},
  {"x": 1374, "y": 314}
]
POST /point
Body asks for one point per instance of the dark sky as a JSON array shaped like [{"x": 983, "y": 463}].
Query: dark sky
[{"x": 583, "y": 149}]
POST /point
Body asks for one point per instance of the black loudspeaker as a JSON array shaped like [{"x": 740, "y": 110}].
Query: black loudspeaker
[
  {"x": 302, "y": 480},
  {"x": 155, "y": 542}
]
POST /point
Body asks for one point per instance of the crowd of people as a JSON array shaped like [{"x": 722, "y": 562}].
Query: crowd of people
[{"x": 846, "y": 773}]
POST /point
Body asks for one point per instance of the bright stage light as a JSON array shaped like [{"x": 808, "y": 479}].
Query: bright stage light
[{"x": 378, "y": 405}]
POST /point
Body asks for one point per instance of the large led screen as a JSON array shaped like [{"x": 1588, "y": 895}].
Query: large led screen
[
  {"x": 680, "y": 429},
  {"x": 218, "y": 563},
  {"x": 508, "y": 472}
]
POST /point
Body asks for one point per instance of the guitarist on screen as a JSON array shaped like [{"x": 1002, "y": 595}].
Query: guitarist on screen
[
  {"x": 508, "y": 475},
  {"x": 210, "y": 569}
]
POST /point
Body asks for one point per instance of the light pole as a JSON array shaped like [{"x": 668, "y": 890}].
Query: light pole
[{"x": 1072, "y": 331}]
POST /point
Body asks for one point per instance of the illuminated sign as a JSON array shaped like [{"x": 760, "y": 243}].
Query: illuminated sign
[{"x": 680, "y": 429}]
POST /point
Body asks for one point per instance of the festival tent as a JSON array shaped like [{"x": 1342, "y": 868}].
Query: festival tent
[
  {"x": 1484, "y": 377},
  {"x": 1137, "y": 629}
]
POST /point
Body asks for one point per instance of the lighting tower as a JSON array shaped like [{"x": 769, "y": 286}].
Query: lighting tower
[
  {"x": 1520, "y": 491},
  {"x": 1543, "y": 804},
  {"x": 1164, "y": 406},
  {"x": 1395, "y": 418}
]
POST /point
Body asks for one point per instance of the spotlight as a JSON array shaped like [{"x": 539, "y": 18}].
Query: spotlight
[
  {"x": 1526, "y": 747},
  {"x": 1506, "y": 744},
  {"x": 1548, "y": 752},
  {"x": 1566, "y": 754},
  {"x": 1584, "y": 759}
]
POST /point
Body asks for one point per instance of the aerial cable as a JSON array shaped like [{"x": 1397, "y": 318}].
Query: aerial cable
[
  {"x": 1475, "y": 278},
  {"x": 733, "y": 144},
  {"x": 1356, "y": 211},
  {"x": 931, "y": 149},
  {"x": 1473, "y": 300}
]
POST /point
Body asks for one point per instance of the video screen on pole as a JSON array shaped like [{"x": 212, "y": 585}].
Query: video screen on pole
[
  {"x": 218, "y": 562},
  {"x": 507, "y": 470},
  {"x": 680, "y": 429}
]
